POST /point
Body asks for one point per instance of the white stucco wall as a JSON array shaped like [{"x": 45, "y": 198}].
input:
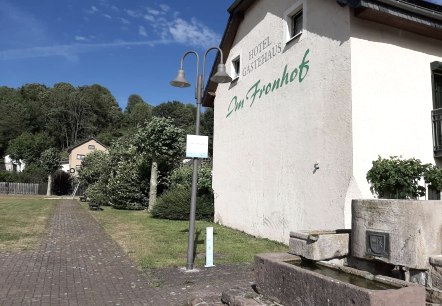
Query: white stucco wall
[
  {"x": 264, "y": 153},
  {"x": 392, "y": 95}
]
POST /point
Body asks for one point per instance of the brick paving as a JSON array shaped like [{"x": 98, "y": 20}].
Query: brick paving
[{"x": 79, "y": 264}]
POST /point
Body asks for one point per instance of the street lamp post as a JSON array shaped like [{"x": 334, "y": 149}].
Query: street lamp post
[{"x": 180, "y": 81}]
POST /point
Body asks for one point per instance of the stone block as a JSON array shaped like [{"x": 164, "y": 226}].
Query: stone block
[
  {"x": 319, "y": 245},
  {"x": 436, "y": 277},
  {"x": 400, "y": 232},
  {"x": 293, "y": 285}
]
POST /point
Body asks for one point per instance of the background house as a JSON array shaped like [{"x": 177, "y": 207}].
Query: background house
[
  {"x": 78, "y": 152},
  {"x": 13, "y": 165},
  {"x": 320, "y": 89}
]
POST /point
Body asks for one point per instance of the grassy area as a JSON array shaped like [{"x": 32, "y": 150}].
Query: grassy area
[
  {"x": 23, "y": 221},
  {"x": 153, "y": 243}
]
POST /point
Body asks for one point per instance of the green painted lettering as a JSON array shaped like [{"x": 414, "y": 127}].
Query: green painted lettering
[
  {"x": 255, "y": 90},
  {"x": 293, "y": 75},
  {"x": 230, "y": 111},
  {"x": 276, "y": 84},
  {"x": 285, "y": 77},
  {"x": 268, "y": 88},
  {"x": 304, "y": 67}
]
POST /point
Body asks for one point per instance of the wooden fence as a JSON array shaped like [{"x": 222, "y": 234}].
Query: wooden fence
[{"x": 19, "y": 188}]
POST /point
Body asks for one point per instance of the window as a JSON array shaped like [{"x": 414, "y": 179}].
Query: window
[
  {"x": 91, "y": 147},
  {"x": 80, "y": 156},
  {"x": 236, "y": 64},
  {"x": 296, "y": 25},
  {"x": 436, "y": 113}
]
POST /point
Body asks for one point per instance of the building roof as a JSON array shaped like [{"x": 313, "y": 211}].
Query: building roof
[
  {"x": 83, "y": 142},
  {"x": 417, "y": 16}
]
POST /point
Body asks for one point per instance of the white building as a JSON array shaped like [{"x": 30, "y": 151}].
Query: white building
[
  {"x": 13, "y": 165},
  {"x": 321, "y": 89}
]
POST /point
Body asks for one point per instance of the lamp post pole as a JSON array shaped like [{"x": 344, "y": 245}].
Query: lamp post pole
[{"x": 180, "y": 81}]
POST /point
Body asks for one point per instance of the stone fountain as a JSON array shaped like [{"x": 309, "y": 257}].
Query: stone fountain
[{"x": 391, "y": 256}]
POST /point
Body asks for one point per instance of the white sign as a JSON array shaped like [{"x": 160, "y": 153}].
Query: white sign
[
  {"x": 197, "y": 146},
  {"x": 209, "y": 247}
]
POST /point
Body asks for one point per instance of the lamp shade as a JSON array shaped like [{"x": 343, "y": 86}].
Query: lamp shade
[
  {"x": 180, "y": 80},
  {"x": 221, "y": 75}
]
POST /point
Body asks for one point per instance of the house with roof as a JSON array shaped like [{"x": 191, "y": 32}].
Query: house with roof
[
  {"x": 320, "y": 89},
  {"x": 78, "y": 152}
]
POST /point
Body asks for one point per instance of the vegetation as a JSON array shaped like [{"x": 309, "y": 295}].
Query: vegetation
[
  {"x": 398, "y": 178},
  {"x": 23, "y": 221},
  {"x": 162, "y": 143},
  {"x": 36, "y": 117},
  {"x": 154, "y": 243},
  {"x": 50, "y": 162},
  {"x": 174, "y": 204}
]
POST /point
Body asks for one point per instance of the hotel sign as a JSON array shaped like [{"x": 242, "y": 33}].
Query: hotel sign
[
  {"x": 260, "y": 89},
  {"x": 261, "y": 54}
]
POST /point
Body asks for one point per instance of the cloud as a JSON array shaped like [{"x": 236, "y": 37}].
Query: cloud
[
  {"x": 80, "y": 38},
  {"x": 71, "y": 52},
  {"x": 106, "y": 16},
  {"x": 193, "y": 33},
  {"x": 135, "y": 14},
  {"x": 124, "y": 20},
  {"x": 168, "y": 25},
  {"x": 142, "y": 31},
  {"x": 164, "y": 7}
]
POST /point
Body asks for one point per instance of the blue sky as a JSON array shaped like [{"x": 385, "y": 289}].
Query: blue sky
[{"x": 128, "y": 46}]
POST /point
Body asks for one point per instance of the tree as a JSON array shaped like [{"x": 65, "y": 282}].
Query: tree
[
  {"x": 207, "y": 127},
  {"x": 50, "y": 162},
  {"x": 132, "y": 101},
  {"x": 95, "y": 166},
  {"x": 183, "y": 115},
  {"x": 29, "y": 147},
  {"x": 13, "y": 116},
  {"x": 124, "y": 188},
  {"x": 160, "y": 142},
  {"x": 141, "y": 113}
]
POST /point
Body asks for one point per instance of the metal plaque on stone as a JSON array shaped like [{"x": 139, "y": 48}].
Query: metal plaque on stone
[{"x": 378, "y": 244}]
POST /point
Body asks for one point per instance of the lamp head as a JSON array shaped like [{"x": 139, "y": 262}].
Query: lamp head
[
  {"x": 221, "y": 75},
  {"x": 180, "y": 80}
]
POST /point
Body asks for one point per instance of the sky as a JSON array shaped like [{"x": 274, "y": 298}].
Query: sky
[{"x": 127, "y": 46}]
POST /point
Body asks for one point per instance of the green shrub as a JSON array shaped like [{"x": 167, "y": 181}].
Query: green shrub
[
  {"x": 174, "y": 204},
  {"x": 96, "y": 194},
  {"x": 182, "y": 178},
  {"x": 398, "y": 178}
]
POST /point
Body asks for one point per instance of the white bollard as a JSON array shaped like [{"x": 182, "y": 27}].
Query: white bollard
[{"x": 209, "y": 247}]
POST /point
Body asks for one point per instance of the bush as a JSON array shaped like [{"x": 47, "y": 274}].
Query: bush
[
  {"x": 397, "y": 178},
  {"x": 96, "y": 194},
  {"x": 182, "y": 178},
  {"x": 174, "y": 204}
]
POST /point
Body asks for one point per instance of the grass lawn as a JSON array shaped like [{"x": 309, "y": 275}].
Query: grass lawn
[
  {"x": 154, "y": 243},
  {"x": 23, "y": 221}
]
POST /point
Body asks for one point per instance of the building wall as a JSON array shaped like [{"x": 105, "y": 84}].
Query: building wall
[
  {"x": 266, "y": 145},
  {"x": 83, "y": 149},
  {"x": 392, "y": 96}
]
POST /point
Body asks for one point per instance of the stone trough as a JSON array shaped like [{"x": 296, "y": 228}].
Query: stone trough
[{"x": 291, "y": 281}]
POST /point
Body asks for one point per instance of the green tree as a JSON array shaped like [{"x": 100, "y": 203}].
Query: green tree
[
  {"x": 13, "y": 117},
  {"x": 95, "y": 167},
  {"x": 162, "y": 143},
  {"x": 29, "y": 147},
  {"x": 141, "y": 113},
  {"x": 182, "y": 115},
  {"x": 207, "y": 119},
  {"x": 50, "y": 162},
  {"x": 132, "y": 101},
  {"x": 124, "y": 188}
]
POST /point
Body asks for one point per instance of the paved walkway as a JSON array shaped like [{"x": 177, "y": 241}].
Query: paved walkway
[{"x": 79, "y": 264}]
